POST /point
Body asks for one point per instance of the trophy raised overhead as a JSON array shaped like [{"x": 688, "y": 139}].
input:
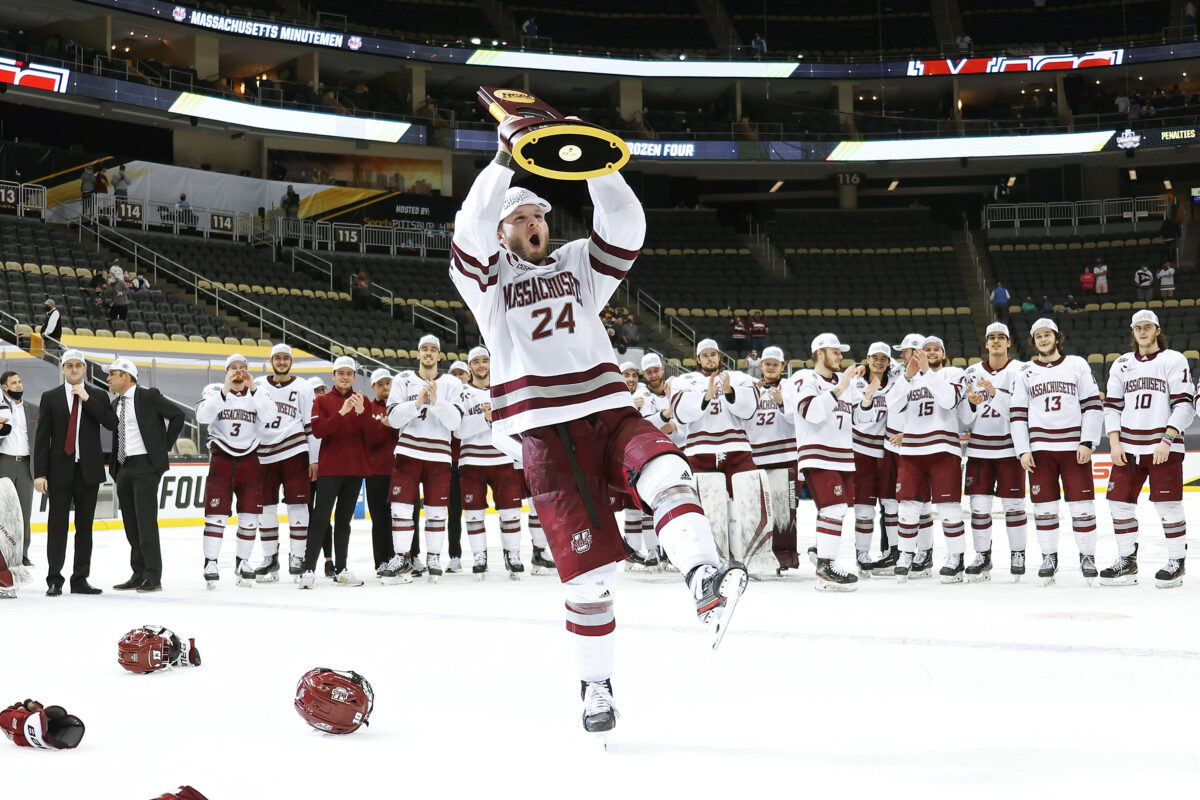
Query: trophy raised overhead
[{"x": 548, "y": 144}]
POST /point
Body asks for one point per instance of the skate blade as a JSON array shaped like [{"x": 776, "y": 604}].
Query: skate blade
[
  {"x": 210, "y": 585},
  {"x": 434, "y": 578},
  {"x": 245, "y": 583},
  {"x": 395, "y": 580},
  {"x": 864, "y": 574},
  {"x": 1050, "y": 581},
  {"x": 901, "y": 577},
  {"x": 1016, "y": 576},
  {"x": 1088, "y": 580},
  {"x": 480, "y": 576},
  {"x": 514, "y": 576},
  {"x": 823, "y": 585},
  {"x": 1171, "y": 584},
  {"x": 731, "y": 588},
  {"x": 884, "y": 572},
  {"x": 271, "y": 578},
  {"x": 951, "y": 578},
  {"x": 925, "y": 573},
  {"x": 539, "y": 570},
  {"x": 1128, "y": 580},
  {"x": 983, "y": 577}
]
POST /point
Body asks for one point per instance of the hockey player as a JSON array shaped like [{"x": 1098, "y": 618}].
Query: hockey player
[
  {"x": 1056, "y": 421},
  {"x": 636, "y": 522},
  {"x": 992, "y": 466},
  {"x": 319, "y": 388},
  {"x": 655, "y": 396},
  {"x": 822, "y": 405},
  {"x": 1149, "y": 404},
  {"x": 391, "y": 565},
  {"x": 929, "y": 393},
  {"x": 288, "y": 454},
  {"x": 454, "y": 512},
  {"x": 556, "y": 385},
  {"x": 773, "y": 447},
  {"x": 423, "y": 406},
  {"x": 237, "y": 413},
  {"x": 871, "y": 476}
]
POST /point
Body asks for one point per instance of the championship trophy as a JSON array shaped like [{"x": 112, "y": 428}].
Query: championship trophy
[{"x": 548, "y": 144}]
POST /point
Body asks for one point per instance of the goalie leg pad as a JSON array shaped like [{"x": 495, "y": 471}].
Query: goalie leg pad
[
  {"x": 752, "y": 503},
  {"x": 714, "y": 499}
]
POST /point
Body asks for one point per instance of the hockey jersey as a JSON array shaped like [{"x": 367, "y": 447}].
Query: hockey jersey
[
  {"x": 1055, "y": 406},
  {"x": 990, "y": 422},
  {"x": 424, "y": 431},
  {"x": 824, "y": 423},
  {"x": 652, "y": 407},
  {"x": 236, "y": 420},
  {"x": 771, "y": 432},
  {"x": 717, "y": 425},
  {"x": 929, "y": 407},
  {"x": 475, "y": 432},
  {"x": 1146, "y": 395},
  {"x": 291, "y": 432},
  {"x": 552, "y": 360},
  {"x": 870, "y": 424}
]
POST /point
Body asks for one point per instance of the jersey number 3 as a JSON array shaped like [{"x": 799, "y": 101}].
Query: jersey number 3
[{"x": 566, "y": 319}]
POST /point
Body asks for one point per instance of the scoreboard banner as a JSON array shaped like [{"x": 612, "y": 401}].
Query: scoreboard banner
[{"x": 1014, "y": 63}]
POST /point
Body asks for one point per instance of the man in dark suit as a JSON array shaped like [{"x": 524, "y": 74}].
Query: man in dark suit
[
  {"x": 147, "y": 426},
  {"x": 68, "y": 466}
]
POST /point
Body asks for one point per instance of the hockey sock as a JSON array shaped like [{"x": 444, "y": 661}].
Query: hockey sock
[
  {"x": 297, "y": 528},
  {"x": 649, "y": 537},
  {"x": 402, "y": 527},
  {"x": 268, "y": 530},
  {"x": 214, "y": 530},
  {"x": 1125, "y": 526},
  {"x": 246, "y": 530},
  {"x": 891, "y": 522},
  {"x": 633, "y": 528},
  {"x": 679, "y": 520},
  {"x": 981, "y": 522},
  {"x": 953, "y": 527},
  {"x": 1174, "y": 527},
  {"x": 864, "y": 527},
  {"x": 510, "y": 529},
  {"x": 925, "y": 528},
  {"x": 910, "y": 515},
  {"x": 435, "y": 529},
  {"x": 1083, "y": 524},
  {"x": 1016, "y": 521},
  {"x": 476, "y": 532},
  {"x": 829, "y": 530},
  {"x": 536, "y": 534},
  {"x": 590, "y": 621},
  {"x": 1045, "y": 516}
]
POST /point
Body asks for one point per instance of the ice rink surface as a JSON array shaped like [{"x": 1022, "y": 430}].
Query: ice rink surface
[{"x": 914, "y": 690}]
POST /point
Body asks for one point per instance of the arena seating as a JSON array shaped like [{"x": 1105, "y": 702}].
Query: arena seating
[
  {"x": 620, "y": 26},
  {"x": 846, "y": 29},
  {"x": 1073, "y": 25}
]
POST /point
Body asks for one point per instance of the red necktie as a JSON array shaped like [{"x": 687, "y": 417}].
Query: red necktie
[{"x": 72, "y": 426}]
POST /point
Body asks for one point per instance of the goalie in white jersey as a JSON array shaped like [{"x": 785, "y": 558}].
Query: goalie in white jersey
[
  {"x": 556, "y": 385},
  {"x": 1149, "y": 404},
  {"x": 773, "y": 446},
  {"x": 236, "y": 413}
]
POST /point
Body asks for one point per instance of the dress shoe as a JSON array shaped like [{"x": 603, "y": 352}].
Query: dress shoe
[
  {"x": 149, "y": 587},
  {"x": 84, "y": 588},
  {"x": 132, "y": 583},
  {"x": 55, "y": 590},
  {"x": 25, "y": 562}
]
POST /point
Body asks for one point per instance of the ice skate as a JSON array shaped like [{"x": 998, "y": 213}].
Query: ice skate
[
  {"x": 542, "y": 562},
  {"x": 434, "y": 567},
  {"x": 652, "y": 564},
  {"x": 512, "y": 563},
  {"x": 599, "y": 712},
  {"x": 952, "y": 570},
  {"x": 812, "y": 556},
  {"x": 922, "y": 565},
  {"x": 665, "y": 562},
  {"x": 8, "y": 593},
  {"x": 636, "y": 561},
  {"x": 454, "y": 567},
  {"x": 395, "y": 571},
  {"x": 269, "y": 571},
  {"x": 717, "y": 591},
  {"x": 1123, "y": 572},
  {"x": 886, "y": 565},
  {"x": 1016, "y": 564},
  {"x": 980, "y": 570},
  {"x": 1049, "y": 569},
  {"x": 346, "y": 578},
  {"x": 295, "y": 564},
  {"x": 1087, "y": 566},
  {"x": 211, "y": 573},
  {"x": 831, "y": 577},
  {"x": 863, "y": 559},
  {"x": 903, "y": 567},
  {"x": 479, "y": 568},
  {"x": 243, "y": 573},
  {"x": 1171, "y": 575},
  {"x": 308, "y": 579}
]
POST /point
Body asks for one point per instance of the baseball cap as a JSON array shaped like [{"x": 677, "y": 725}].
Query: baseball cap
[
  {"x": 233, "y": 359},
  {"x": 1145, "y": 315},
  {"x": 122, "y": 364},
  {"x": 379, "y": 375},
  {"x": 518, "y": 196},
  {"x": 74, "y": 355},
  {"x": 934, "y": 340},
  {"x": 478, "y": 352},
  {"x": 49, "y": 301},
  {"x": 773, "y": 352},
  {"x": 286, "y": 349},
  {"x": 429, "y": 338},
  {"x": 344, "y": 362},
  {"x": 628, "y": 365},
  {"x": 706, "y": 344},
  {"x": 997, "y": 327},
  {"x": 911, "y": 341},
  {"x": 651, "y": 360},
  {"x": 879, "y": 348},
  {"x": 316, "y": 381},
  {"x": 824, "y": 340},
  {"x": 1044, "y": 322},
  {"x": 457, "y": 365}
]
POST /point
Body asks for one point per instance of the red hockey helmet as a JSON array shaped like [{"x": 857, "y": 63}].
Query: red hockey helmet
[
  {"x": 147, "y": 649},
  {"x": 333, "y": 701}
]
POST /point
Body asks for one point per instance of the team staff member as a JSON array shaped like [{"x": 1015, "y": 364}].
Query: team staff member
[{"x": 14, "y": 448}]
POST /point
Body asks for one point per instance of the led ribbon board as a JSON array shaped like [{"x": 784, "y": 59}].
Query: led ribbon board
[
  {"x": 282, "y": 119},
  {"x": 1046, "y": 144}
]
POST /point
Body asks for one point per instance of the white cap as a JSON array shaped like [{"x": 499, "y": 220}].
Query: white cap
[
  {"x": 345, "y": 362},
  {"x": 824, "y": 340},
  {"x": 73, "y": 355},
  {"x": 1044, "y": 322},
  {"x": 49, "y": 301},
  {"x": 518, "y": 196},
  {"x": 379, "y": 375},
  {"x": 997, "y": 327},
  {"x": 879, "y": 348},
  {"x": 124, "y": 365},
  {"x": 912, "y": 341},
  {"x": 233, "y": 359},
  {"x": 934, "y": 340},
  {"x": 286, "y": 349},
  {"x": 651, "y": 360},
  {"x": 1145, "y": 315},
  {"x": 316, "y": 381},
  {"x": 706, "y": 344},
  {"x": 457, "y": 365},
  {"x": 772, "y": 352},
  {"x": 628, "y": 365},
  {"x": 429, "y": 338},
  {"x": 478, "y": 352}
]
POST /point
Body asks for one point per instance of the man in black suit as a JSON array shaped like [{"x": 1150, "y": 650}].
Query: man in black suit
[
  {"x": 68, "y": 466},
  {"x": 147, "y": 426}
]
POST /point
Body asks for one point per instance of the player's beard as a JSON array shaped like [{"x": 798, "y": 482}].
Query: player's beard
[
  {"x": 525, "y": 249},
  {"x": 708, "y": 373},
  {"x": 655, "y": 386},
  {"x": 285, "y": 373}
]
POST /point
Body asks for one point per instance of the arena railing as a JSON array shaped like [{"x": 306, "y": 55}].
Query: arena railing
[
  {"x": 26, "y": 199},
  {"x": 437, "y": 319},
  {"x": 1146, "y": 212},
  {"x": 165, "y": 215},
  {"x": 398, "y": 238},
  {"x": 309, "y": 259}
]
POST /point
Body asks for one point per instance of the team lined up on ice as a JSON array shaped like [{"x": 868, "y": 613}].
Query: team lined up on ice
[{"x": 889, "y": 433}]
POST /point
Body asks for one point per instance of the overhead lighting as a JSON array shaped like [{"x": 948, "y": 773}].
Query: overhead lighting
[
  {"x": 892, "y": 186},
  {"x": 683, "y": 56},
  {"x": 960, "y": 104},
  {"x": 1167, "y": 184},
  {"x": 1012, "y": 181},
  {"x": 1133, "y": 174},
  {"x": 775, "y": 188},
  {"x": 476, "y": 40}
]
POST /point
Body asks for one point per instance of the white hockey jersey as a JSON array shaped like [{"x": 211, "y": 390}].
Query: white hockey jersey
[
  {"x": 475, "y": 448},
  {"x": 236, "y": 420},
  {"x": 991, "y": 421},
  {"x": 652, "y": 407},
  {"x": 771, "y": 432},
  {"x": 718, "y": 425},
  {"x": 552, "y": 360},
  {"x": 929, "y": 407},
  {"x": 425, "y": 430},
  {"x": 870, "y": 424},
  {"x": 1146, "y": 394},
  {"x": 1055, "y": 406},
  {"x": 824, "y": 423},
  {"x": 291, "y": 432}
]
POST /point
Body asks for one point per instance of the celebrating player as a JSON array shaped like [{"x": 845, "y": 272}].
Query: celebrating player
[
  {"x": 773, "y": 446},
  {"x": 388, "y": 553},
  {"x": 637, "y": 523},
  {"x": 870, "y": 467},
  {"x": 1149, "y": 404}
]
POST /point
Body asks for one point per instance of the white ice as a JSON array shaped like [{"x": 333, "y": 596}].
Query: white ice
[{"x": 914, "y": 690}]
